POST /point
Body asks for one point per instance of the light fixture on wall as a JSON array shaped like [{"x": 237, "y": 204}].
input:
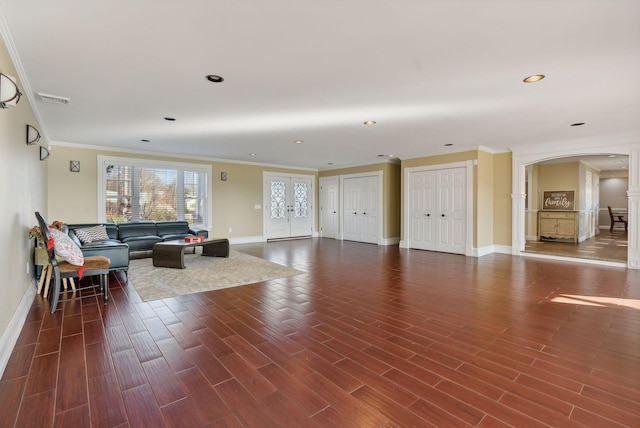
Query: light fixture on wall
[
  {"x": 74, "y": 166},
  {"x": 9, "y": 93},
  {"x": 44, "y": 153},
  {"x": 33, "y": 135}
]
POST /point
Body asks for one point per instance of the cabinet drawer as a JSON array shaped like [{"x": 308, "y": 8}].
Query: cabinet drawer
[{"x": 557, "y": 215}]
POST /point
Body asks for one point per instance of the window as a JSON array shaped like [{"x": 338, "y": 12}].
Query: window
[{"x": 136, "y": 189}]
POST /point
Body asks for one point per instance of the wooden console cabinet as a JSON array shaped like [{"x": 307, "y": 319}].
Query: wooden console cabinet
[{"x": 558, "y": 225}]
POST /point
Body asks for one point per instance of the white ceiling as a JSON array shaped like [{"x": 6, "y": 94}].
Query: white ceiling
[{"x": 429, "y": 72}]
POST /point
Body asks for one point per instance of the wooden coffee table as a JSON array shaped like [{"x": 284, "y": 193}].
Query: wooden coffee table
[{"x": 171, "y": 253}]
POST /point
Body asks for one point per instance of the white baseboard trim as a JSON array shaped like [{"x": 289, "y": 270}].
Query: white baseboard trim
[
  {"x": 246, "y": 240},
  {"x": 403, "y": 244},
  {"x": 531, "y": 238},
  {"x": 490, "y": 249},
  {"x": 12, "y": 332},
  {"x": 390, "y": 241}
]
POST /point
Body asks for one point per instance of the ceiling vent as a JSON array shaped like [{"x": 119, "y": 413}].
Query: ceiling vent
[{"x": 54, "y": 99}]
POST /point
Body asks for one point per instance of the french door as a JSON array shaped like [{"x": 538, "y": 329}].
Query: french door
[{"x": 288, "y": 206}]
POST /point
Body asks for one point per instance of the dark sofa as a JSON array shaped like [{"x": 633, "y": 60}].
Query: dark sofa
[
  {"x": 132, "y": 240},
  {"x": 112, "y": 248},
  {"x": 142, "y": 235}
]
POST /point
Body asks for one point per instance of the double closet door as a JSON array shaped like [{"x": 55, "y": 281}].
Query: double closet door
[
  {"x": 361, "y": 211},
  {"x": 437, "y": 210},
  {"x": 288, "y": 206}
]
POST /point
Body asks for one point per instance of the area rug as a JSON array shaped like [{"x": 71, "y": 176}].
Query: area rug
[{"x": 202, "y": 274}]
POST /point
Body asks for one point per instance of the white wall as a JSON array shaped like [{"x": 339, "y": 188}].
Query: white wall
[
  {"x": 612, "y": 193},
  {"x": 22, "y": 191}
]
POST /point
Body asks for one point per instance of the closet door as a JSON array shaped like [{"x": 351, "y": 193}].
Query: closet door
[
  {"x": 452, "y": 209},
  {"x": 423, "y": 216},
  {"x": 437, "y": 210},
  {"x": 361, "y": 217},
  {"x": 329, "y": 207},
  {"x": 350, "y": 204}
]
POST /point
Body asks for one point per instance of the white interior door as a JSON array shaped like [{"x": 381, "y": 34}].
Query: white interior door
[
  {"x": 451, "y": 185},
  {"x": 361, "y": 212},
  {"x": 350, "y": 199},
  {"x": 329, "y": 207},
  {"x": 288, "y": 202},
  {"x": 437, "y": 210},
  {"x": 422, "y": 217}
]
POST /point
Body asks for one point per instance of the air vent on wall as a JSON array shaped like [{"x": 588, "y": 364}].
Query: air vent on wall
[{"x": 54, "y": 99}]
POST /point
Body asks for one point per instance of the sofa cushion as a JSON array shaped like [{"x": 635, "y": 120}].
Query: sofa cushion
[
  {"x": 172, "y": 228},
  {"x": 138, "y": 228},
  {"x": 90, "y": 234},
  {"x": 137, "y": 243}
]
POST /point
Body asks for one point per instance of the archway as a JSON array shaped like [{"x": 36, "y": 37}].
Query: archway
[{"x": 522, "y": 158}]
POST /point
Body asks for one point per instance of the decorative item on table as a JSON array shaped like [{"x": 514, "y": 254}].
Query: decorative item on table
[
  {"x": 35, "y": 232},
  {"x": 193, "y": 239}
]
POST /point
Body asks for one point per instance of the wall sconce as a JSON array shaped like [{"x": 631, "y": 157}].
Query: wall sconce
[
  {"x": 9, "y": 93},
  {"x": 223, "y": 176},
  {"x": 44, "y": 153},
  {"x": 74, "y": 166},
  {"x": 33, "y": 135}
]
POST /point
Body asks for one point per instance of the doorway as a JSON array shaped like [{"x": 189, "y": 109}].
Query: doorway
[
  {"x": 288, "y": 203},
  {"x": 596, "y": 241}
]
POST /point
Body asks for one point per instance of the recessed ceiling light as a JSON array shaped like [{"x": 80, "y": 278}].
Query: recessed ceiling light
[
  {"x": 145, "y": 140},
  {"x": 170, "y": 119},
  {"x": 298, "y": 141},
  {"x": 612, "y": 156},
  {"x": 252, "y": 154},
  {"x": 214, "y": 78},
  {"x": 577, "y": 124},
  {"x": 391, "y": 156},
  {"x": 369, "y": 122},
  {"x": 533, "y": 78},
  {"x": 448, "y": 144},
  {"x": 330, "y": 163},
  {"x": 380, "y": 156}
]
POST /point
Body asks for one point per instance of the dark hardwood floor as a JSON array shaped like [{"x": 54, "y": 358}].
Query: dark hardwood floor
[{"x": 369, "y": 336}]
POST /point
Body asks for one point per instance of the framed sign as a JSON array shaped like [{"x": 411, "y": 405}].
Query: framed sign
[{"x": 559, "y": 200}]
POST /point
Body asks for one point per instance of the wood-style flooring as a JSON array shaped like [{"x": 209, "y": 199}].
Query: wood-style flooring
[
  {"x": 369, "y": 336},
  {"x": 606, "y": 246}
]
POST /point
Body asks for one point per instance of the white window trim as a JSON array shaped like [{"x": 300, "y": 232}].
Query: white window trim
[{"x": 103, "y": 161}]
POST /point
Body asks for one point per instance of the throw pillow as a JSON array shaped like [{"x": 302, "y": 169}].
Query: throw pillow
[
  {"x": 65, "y": 248},
  {"x": 90, "y": 234}
]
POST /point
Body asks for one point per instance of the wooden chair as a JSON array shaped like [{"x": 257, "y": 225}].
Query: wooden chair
[
  {"x": 93, "y": 265},
  {"x": 616, "y": 218}
]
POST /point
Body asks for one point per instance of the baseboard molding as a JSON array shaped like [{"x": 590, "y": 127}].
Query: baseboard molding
[
  {"x": 12, "y": 332},
  {"x": 246, "y": 240},
  {"x": 390, "y": 241},
  {"x": 490, "y": 249}
]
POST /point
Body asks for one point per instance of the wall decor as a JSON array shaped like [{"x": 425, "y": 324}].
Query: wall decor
[
  {"x": 33, "y": 135},
  {"x": 558, "y": 200},
  {"x": 9, "y": 93},
  {"x": 44, "y": 153},
  {"x": 74, "y": 166}
]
